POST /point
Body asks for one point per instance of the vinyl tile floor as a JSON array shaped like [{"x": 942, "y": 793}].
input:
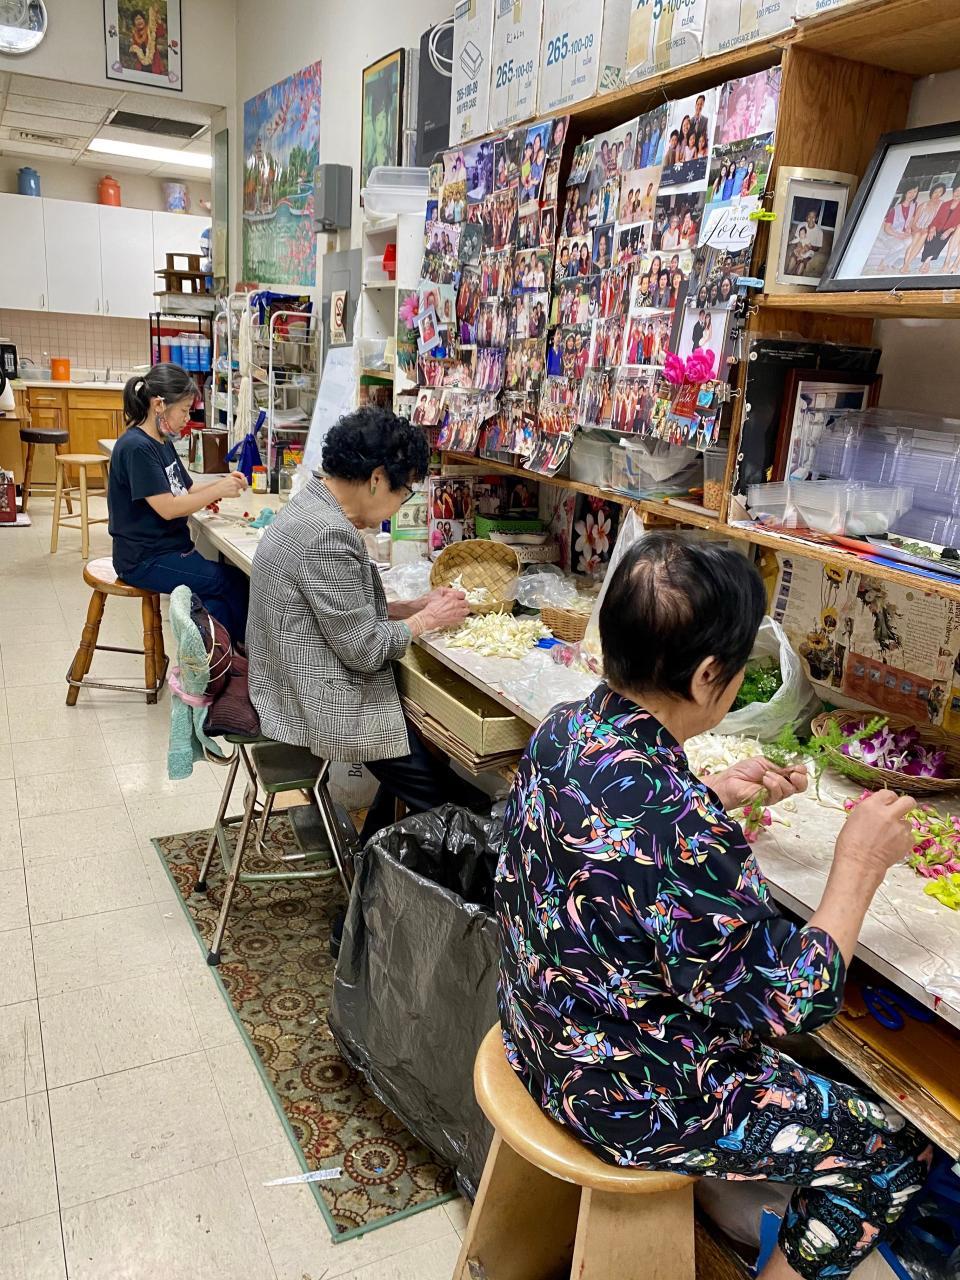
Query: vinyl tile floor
[{"x": 126, "y": 1144}]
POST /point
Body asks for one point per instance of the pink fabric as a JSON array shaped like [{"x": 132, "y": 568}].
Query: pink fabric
[{"x": 191, "y": 699}]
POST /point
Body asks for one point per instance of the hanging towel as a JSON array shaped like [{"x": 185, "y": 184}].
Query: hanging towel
[{"x": 188, "y": 686}]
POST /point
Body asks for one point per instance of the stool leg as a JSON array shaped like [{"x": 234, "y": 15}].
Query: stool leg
[
  {"x": 159, "y": 652},
  {"x": 213, "y": 955},
  {"x": 84, "y": 516},
  {"x": 57, "y": 499},
  {"x": 201, "y": 885},
  {"x": 27, "y": 473},
  {"x": 148, "y": 603},
  {"x": 88, "y": 643},
  {"x": 522, "y": 1224},
  {"x": 630, "y": 1236},
  {"x": 64, "y": 448}
]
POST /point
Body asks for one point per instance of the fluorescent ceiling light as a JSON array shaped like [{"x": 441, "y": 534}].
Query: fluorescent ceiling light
[{"x": 159, "y": 155}]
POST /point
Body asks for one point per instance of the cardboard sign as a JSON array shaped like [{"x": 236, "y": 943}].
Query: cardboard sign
[
  {"x": 470, "y": 85},
  {"x": 569, "y": 52},
  {"x": 515, "y": 69},
  {"x": 664, "y": 34},
  {"x": 732, "y": 23},
  {"x": 613, "y": 45},
  {"x": 338, "y": 314}
]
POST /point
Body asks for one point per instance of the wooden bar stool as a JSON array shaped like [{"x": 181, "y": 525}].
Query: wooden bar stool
[
  {"x": 547, "y": 1207},
  {"x": 83, "y": 462},
  {"x": 34, "y": 438},
  {"x": 102, "y": 577}
]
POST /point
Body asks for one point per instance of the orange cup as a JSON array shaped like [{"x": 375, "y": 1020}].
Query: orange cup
[{"x": 60, "y": 369}]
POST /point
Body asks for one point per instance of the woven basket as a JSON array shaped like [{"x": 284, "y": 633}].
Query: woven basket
[
  {"x": 876, "y": 778},
  {"x": 479, "y": 563},
  {"x": 566, "y": 624}
]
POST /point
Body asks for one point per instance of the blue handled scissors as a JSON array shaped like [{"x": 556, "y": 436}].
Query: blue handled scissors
[{"x": 889, "y": 1006}]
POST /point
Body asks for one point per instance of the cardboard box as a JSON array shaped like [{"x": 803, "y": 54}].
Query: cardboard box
[
  {"x": 475, "y": 719},
  {"x": 470, "y": 84},
  {"x": 732, "y": 23},
  {"x": 613, "y": 45},
  {"x": 664, "y": 35},
  {"x": 569, "y": 52},
  {"x": 515, "y": 66}
]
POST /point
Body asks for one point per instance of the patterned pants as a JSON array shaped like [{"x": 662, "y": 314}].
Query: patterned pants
[{"x": 855, "y": 1161}]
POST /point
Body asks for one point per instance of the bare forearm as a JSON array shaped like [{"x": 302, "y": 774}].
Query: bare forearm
[
  {"x": 174, "y": 507},
  {"x": 846, "y": 900},
  {"x": 399, "y": 610}
]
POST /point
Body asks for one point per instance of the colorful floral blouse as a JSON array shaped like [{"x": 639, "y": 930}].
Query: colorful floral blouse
[{"x": 641, "y": 956}]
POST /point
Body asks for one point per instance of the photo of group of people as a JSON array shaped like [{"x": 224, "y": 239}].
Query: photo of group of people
[{"x": 920, "y": 232}]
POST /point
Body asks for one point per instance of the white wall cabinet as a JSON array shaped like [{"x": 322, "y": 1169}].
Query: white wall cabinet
[
  {"x": 23, "y": 263},
  {"x": 72, "y": 235},
  {"x": 176, "y": 233},
  {"x": 126, "y": 262}
]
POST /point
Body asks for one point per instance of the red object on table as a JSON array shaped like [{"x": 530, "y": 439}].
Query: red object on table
[
  {"x": 390, "y": 261},
  {"x": 8, "y": 499}
]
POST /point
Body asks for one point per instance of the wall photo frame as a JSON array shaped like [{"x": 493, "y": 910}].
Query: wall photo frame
[
  {"x": 144, "y": 42},
  {"x": 903, "y": 231},
  {"x": 381, "y": 130},
  {"x": 810, "y": 206}
]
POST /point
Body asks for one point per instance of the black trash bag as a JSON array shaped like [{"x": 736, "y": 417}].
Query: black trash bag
[{"x": 414, "y": 992}]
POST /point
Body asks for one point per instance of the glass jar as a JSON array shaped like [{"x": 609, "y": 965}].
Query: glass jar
[{"x": 288, "y": 474}]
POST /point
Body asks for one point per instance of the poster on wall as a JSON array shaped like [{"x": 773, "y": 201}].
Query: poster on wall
[
  {"x": 281, "y": 150},
  {"x": 144, "y": 42},
  {"x": 381, "y": 126}
]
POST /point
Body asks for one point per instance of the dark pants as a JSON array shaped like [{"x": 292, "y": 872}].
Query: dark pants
[
  {"x": 421, "y": 781},
  {"x": 223, "y": 589}
]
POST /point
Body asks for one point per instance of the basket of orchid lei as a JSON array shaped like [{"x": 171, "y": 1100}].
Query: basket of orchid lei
[{"x": 893, "y": 753}]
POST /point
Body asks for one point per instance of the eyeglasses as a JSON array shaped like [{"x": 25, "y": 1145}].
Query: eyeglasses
[{"x": 408, "y": 492}]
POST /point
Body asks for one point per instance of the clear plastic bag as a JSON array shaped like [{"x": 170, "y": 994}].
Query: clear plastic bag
[
  {"x": 544, "y": 586},
  {"x": 407, "y": 581},
  {"x": 793, "y": 705},
  {"x": 631, "y": 531}
]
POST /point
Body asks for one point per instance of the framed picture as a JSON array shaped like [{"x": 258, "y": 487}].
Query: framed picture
[
  {"x": 382, "y": 108},
  {"x": 143, "y": 42},
  {"x": 809, "y": 206},
  {"x": 812, "y": 400},
  {"x": 904, "y": 228}
]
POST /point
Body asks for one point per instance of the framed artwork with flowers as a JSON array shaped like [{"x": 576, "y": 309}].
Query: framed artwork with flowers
[
  {"x": 595, "y": 526},
  {"x": 144, "y": 42}
]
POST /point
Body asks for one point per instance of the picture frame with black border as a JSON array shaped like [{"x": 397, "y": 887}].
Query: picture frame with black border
[
  {"x": 926, "y": 159},
  {"x": 802, "y": 388},
  {"x": 799, "y": 249}
]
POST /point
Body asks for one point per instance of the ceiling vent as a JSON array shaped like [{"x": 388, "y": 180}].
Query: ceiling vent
[
  {"x": 185, "y": 129},
  {"x": 41, "y": 139}
]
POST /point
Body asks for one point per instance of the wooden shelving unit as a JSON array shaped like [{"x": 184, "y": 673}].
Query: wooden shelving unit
[{"x": 936, "y": 304}]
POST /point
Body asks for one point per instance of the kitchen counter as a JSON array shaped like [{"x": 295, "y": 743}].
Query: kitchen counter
[{"x": 24, "y": 384}]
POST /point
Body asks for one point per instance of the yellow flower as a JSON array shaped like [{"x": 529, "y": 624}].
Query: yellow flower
[
  {"x": 833, "y": 574},
  {"x": 829, "y": 619}
]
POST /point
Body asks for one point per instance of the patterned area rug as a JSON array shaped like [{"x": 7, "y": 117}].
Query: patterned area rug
[{"x": 277, "y": 975}]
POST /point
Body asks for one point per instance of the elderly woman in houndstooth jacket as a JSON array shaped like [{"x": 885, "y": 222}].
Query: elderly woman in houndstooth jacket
[{"x": 321, "y": 637}]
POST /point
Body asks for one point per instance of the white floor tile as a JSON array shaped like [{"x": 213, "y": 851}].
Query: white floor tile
[
  {"x": 169, "y": 815},
  {"x": 458, "y": 1211},
  {"x": 434, "y": 1260},
  {"x": 77, "y": 834},
  {"x": 298, "y": 1237},
  {"x": 199, "y": 1225},
  {"x": 62, "y": 888},
  {"x": 28, "y": 1187},
  {"x": 11, "y": 849},
  {"x": 147, "y": 779},
  {"x": 41, "y": 712},
  {"x": 247, "y": 1104},
  {"x": 61, "y": 755},
  {"x": 33, "y": 1250},
  {"x": 13, "y": 900},
  {"x": 126, "y": 1130},
  {"x": 23, "y": 663},
  {"x": 21, "y": 1053},
  {"x": 6, "y": 763},
  {"x": 135, "y": 742},
  {"x": 19, "y": 981},
  {"x": 211, "y": 1012},
  {"x": 42, "y": 794},
  {"x": 89, "y": 951},
  {"x": 115, "y": 1027}
]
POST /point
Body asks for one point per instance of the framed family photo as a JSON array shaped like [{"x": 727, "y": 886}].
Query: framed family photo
[
  {"x": 904, "y": 228},
  {"x": 144, "y": 43},
  {"x": 382, "y": 108},
  {"x": 812, "y": 400},
  {"x": 810, "y": 206}
]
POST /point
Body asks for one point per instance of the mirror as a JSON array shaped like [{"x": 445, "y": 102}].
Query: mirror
[{"x": 23, "y": 24}]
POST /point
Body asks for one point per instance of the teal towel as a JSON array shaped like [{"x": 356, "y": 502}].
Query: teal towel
[{"x": 188, "y": 742}]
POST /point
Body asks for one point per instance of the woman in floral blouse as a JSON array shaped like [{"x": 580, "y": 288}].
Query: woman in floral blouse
[{"x": 644, "y": 967}]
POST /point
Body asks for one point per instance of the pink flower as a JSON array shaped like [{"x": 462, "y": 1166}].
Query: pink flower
[
  {"x": 673, "y": 369},
  {"x": 410, "y": 309},
  {"x": 700, "y": 366}
]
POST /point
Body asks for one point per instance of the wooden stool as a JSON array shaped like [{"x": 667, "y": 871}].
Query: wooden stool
[
  {"x": 101, "y": 575},
  {"x": 34, "y": 437},
  {"x": 547, "y": 1207},
  {"x": 83, "y": 462}
]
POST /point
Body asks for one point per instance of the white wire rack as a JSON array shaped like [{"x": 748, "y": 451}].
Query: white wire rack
[{"x": 294, "y": 342}]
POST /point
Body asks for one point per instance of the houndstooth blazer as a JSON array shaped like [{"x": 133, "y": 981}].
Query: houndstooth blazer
[{"x": 318, "y": 638}]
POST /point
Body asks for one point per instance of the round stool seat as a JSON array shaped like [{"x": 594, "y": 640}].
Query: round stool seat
[
  {"x": 102, "y": 576},
  {"x": 37, "y": 435},
  {"x": 81, "y": 459},
  {"x": 544, "y": 1143}
]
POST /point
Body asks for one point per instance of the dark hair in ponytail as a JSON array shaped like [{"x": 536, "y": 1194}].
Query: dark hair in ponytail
[{"x": 168, "y": 381}]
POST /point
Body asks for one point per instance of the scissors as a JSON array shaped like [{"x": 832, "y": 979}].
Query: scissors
[{"x": 889, "y": 1006}]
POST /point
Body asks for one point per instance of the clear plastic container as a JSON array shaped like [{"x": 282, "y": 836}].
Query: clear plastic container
[
  {"x": 927, "y": 526},
  {"x": 396, "y": 190},
  {"x": 639, "y": 468},
  {"x": 770, "y": 503},
  {"x": 856, "y": 510},
  {"x": 714, "y": 472},
  {"x": 590, "y": 460}
]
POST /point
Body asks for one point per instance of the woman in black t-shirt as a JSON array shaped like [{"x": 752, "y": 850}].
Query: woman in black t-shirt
[{"x": 151, "y": 495}]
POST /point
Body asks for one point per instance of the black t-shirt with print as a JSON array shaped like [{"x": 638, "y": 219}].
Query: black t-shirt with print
[{"x": 141, "y": 468}]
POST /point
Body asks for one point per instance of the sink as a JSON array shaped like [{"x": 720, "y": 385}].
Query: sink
[{"x": 34, "y": 373}]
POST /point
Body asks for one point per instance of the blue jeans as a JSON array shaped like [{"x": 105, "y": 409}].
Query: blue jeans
[{"x": 223, "y": 589}]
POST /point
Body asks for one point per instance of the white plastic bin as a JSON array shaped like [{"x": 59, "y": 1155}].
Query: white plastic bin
[{"x": 392, "y": 190}]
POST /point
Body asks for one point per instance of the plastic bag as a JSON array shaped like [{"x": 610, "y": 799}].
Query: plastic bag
[
  {"x": 793, "y": 705},
  {"x": 631, "y": 531},
  {"x": 407, "y": 581},
  {"x": 544, "y": 586},
  {"x": 415, "y": 987}
]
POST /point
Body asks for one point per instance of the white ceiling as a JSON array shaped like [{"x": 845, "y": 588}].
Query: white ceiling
[{"x": 68, "y": 116}]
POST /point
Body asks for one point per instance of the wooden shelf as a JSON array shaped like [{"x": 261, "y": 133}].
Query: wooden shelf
[
  {"x": 919, "y": 37},
  {"x": 559, "y": 482},
  {"x": 938, "y": 304}
]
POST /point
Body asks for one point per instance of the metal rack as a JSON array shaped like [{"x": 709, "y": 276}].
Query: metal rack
[{"x": 293, "y": 379}]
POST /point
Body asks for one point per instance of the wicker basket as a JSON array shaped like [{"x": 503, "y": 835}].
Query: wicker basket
[
  {"x": 879, "y": 778},
  {"x": 566, "y": 624},
  {"x": 481, "y": 563}
]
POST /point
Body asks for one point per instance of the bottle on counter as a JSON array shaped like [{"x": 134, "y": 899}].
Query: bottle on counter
[{"x": 260, "y": 483}]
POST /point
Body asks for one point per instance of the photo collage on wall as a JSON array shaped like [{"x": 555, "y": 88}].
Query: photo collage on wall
[{"x": 542, "y": 311}]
